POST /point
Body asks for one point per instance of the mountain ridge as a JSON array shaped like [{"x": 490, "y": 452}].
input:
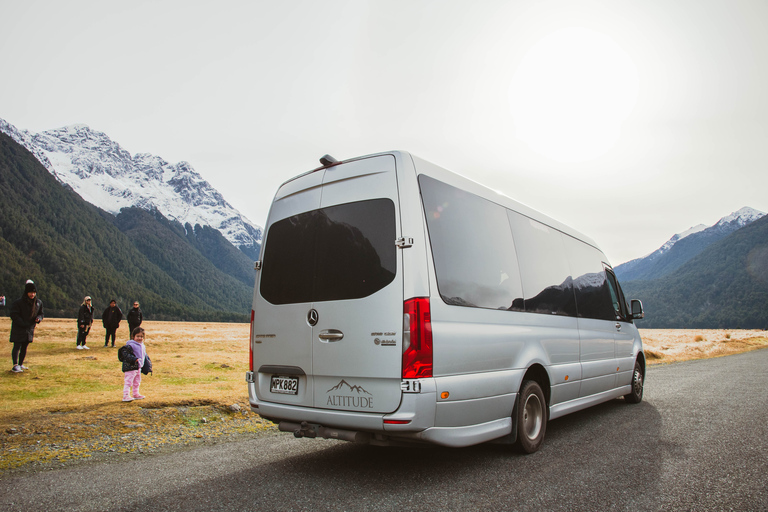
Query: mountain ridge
[
  {"x": 682, "y": 247},
  {"x": 109, "y": 177}
]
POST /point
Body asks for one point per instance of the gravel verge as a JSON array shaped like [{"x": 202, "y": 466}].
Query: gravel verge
[{"x": 62, "y": 438}]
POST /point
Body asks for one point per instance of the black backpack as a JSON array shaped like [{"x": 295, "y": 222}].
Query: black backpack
[{"x": 147, "y": 368}]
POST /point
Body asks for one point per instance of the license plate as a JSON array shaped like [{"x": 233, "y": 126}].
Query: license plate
[{"x": 285, "y": 385}]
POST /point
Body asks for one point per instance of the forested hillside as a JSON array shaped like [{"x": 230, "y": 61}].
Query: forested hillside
[
  {"x": 71, "y": 249},
  {"x": 172, "y": 248},
  {"x": 725, "y": 286}
]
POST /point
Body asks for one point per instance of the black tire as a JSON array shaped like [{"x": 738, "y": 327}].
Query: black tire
[
  {"x": 532, "y": 415},
  {"x": 638, "y": 381}
]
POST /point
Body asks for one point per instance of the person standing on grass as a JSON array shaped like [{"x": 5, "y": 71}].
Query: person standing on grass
[
  {"x": 26, "y": 313},
  {"x": 111, "y": 321},
  {"x": 134, "y": 317},
  {"x": 84, "y": 322},
  {"x": 135, "y": 362}
]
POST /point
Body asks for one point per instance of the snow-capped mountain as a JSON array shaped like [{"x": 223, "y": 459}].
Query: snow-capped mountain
[
  {"x": 108, "y": 176},
  {"x": 683, "y": 246},
  {"x": 741, "y": 217},
  {"x": 676, "y": 238},
  {"x": 729, "y": 223}
]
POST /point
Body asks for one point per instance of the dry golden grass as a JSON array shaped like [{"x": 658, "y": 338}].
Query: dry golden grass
[
  {"x": 193, "y": 362},
  {"x": 68, "y": 405},
  {"x": 674, "y": 345}
]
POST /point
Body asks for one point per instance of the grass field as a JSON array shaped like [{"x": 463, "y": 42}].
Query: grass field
[
  {"x": 673, "y": 345},
  {"x": 68, "y": 406},
  {"x": 193, "y": 362}
]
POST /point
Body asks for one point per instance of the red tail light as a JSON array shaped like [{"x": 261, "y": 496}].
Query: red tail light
[
  {"x": 417, "y": 339},
  {"x": 250, "y": 344}
]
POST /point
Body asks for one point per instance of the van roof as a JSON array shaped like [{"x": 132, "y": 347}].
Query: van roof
[{"x": 468, "y": 183}]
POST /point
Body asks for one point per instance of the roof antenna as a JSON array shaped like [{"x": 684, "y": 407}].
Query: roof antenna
[{"x": 328, "y": 160}]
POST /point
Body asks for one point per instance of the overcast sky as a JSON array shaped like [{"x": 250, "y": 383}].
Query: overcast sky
[{"x": 628, "y": 120}]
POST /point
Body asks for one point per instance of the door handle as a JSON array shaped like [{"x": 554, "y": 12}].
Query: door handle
[{"x": 330, "y": 335}]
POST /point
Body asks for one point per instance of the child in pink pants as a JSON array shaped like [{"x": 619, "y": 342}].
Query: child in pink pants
[{"x": 132, "y": 366}]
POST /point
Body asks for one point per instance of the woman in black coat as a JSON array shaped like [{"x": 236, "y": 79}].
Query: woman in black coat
[
  {"x": 26, "y": 313},
  {"x": 84, "y": 322}
]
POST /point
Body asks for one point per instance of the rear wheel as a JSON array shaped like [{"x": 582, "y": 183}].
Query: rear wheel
[
  {"x": 638, "y": 379},
  {"x": 531, "y": 417}
]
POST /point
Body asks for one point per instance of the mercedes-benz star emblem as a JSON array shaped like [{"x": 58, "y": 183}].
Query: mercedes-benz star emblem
[{"x": 312, "y": 317}]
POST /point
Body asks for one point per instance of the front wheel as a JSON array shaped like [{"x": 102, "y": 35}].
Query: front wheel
[
  {"x": 638, "y": 379},
  {"x": 531, "y": 417}
]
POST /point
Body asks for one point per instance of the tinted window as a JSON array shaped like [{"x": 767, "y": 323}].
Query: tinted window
[
  {"x": 340, "y": 252},
  {"x": 593, "y": 298},
  {"x": 472, "y": 248},
  {"x": 547, "y": 282},
  {"x": 617, "y": 297}
]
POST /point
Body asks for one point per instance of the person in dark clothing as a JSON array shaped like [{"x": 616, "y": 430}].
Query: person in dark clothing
[
  {"x": 84, "y": 323},
  {"x": 111, "y": 321},
  {"x": 26, "y": 313},
  {"x": 134, "y": 317}
]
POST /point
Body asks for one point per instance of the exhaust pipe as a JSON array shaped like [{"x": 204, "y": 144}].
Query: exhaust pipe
[
  {"x": 304, "y": 429},
  {"x": 344, "y": 435}
]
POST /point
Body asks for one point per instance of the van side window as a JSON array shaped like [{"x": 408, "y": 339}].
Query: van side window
[
  {"x": 617, "y": 297},
  {"x": 341, "y": 252},
  {"x": 547, "y": 282},
  {"x": 593, "y": 297},
  {"x": 472, "y": 248}
]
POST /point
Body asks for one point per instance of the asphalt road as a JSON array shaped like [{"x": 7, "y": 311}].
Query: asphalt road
[{"x": 698, "y": 441}]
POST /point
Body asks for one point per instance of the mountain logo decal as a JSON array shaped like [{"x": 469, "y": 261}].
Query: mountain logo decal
[
  {"x": 342, "y": 383},
  {"x": 348, "y": 396}
]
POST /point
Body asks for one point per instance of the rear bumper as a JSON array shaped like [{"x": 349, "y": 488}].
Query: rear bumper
[{"x": 417, "y": 409}]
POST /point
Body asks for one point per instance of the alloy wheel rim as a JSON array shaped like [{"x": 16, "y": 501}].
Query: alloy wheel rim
[
  {"x": 638, "y": 384},
  {"x": 533, "y": 416}
]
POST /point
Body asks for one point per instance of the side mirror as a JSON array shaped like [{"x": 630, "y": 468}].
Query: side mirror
[{"x": 637, "y": 310}]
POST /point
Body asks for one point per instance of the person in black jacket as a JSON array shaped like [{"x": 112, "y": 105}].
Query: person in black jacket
[
  {"x": 134, "y": 317},
  {"x": 111, "y": 321},
  {"x": 26, "y": 313},
  {"x": 84, "y": 322}
]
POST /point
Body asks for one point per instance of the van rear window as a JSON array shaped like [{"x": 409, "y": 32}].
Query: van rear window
[{"x": 340, "y": 252}]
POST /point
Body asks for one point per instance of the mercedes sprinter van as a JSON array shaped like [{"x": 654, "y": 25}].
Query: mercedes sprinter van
[{"x": 396, "y": 302}]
